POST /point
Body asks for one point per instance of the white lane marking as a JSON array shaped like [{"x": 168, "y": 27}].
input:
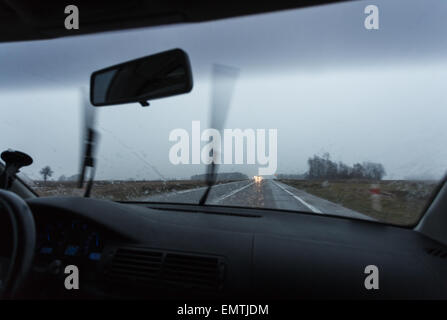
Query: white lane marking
[
  {"x": 311, "y": 207},
  {"x": 203, "y": 188},
  {"x": 234, "y": 192},
  {"x": 189, "y": 190}
]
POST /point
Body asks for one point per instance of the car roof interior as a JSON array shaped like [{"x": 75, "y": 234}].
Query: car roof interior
[{"x": 22, "y": 20}]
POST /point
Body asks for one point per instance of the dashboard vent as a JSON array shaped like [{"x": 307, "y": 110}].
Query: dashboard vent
[
  {"x": 437, "y": 252},
  {"x": 197, "y": 271},
  {"x": 135, "y": 265},
  {"x": 140, "y": 266}
]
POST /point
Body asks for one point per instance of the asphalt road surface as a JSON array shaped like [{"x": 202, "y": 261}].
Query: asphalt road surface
[{"x": 266, "y": 194}]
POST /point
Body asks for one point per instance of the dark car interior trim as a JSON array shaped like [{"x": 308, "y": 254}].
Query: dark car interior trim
[{"x": 22, "y": 20}]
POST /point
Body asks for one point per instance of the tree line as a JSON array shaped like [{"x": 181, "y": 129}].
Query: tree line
[
  {"x": 324, "y": 168},
  {"x": 222, "y": 176}
]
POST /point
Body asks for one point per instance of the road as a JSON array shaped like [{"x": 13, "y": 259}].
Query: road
[{"x": 265, "y": 194}]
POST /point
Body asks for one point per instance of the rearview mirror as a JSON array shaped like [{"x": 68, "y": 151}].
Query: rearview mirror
[{"x": 157, "y": 76}]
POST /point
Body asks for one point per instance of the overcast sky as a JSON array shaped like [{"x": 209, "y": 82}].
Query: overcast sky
[{"x": 316, "y": 75}]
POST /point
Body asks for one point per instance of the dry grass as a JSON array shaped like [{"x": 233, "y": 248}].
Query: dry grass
[
  {"x": 398, "y": 202},
  {"x": 116, "y": 190}
]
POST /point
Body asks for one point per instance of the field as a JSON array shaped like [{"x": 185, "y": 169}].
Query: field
[
  {"x": 116, "y": 190},
  {"x": 392, "y": 201}
]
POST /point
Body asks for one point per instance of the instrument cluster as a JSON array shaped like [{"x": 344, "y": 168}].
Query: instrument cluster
[{"x": 69, "y": 238}]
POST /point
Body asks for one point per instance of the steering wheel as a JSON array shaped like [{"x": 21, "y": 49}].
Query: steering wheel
[{"x": 24, "y": 242}]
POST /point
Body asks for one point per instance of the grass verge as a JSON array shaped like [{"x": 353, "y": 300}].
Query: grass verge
[{"x": 392, "y": 201}]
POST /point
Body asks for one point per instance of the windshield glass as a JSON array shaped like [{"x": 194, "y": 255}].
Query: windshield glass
[{"x": 329, "y": 111}]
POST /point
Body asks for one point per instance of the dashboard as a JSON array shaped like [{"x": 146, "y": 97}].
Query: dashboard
[{"x": 167, "y": 250}]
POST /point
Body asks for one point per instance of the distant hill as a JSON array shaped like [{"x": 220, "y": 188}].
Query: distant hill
[
  {"x": 291, "y": 176},
  {"x": 223, "y": 176},
  {"x": 74, "y": 177}
]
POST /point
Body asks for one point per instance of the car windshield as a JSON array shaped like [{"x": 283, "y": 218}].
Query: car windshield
[{"x": 337, "y": 109}]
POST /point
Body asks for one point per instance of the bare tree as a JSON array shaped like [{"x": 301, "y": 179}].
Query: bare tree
[
  {"x": 46, "y": 172},
  {"x": 324, "y": 168},
  {"x": 374, "y": 170}
]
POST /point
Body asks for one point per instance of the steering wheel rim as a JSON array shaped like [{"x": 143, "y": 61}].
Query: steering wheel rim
[{"x": 24, "y": 243}]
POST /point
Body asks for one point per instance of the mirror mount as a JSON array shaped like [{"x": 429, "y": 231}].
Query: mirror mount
[{"x": 14, "y": 160}]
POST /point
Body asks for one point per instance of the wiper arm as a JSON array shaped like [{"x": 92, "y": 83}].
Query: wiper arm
[
  {"x": 90, "y": 138},
  {"x": 210, "y": 182},
  {"x": 88, "y": 162},
  {"x": 224, "y": 80}
]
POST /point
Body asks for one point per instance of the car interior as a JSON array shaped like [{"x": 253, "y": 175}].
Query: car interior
[{"x": 198, "y": 250}]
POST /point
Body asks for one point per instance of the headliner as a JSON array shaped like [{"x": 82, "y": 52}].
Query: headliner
[{"x": 22, "y": 20}]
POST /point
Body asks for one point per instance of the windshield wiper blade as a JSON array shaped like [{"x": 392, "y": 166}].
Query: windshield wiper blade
[
  {"x": 90, "y": 138},
  {"x": 88, "y": 162},
  {"x": 223, "y": 82},
  {"x": 210, "y": 181}
]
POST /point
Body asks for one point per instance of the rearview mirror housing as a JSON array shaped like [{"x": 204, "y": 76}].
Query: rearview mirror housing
[{"x": 156, "y": 76}]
